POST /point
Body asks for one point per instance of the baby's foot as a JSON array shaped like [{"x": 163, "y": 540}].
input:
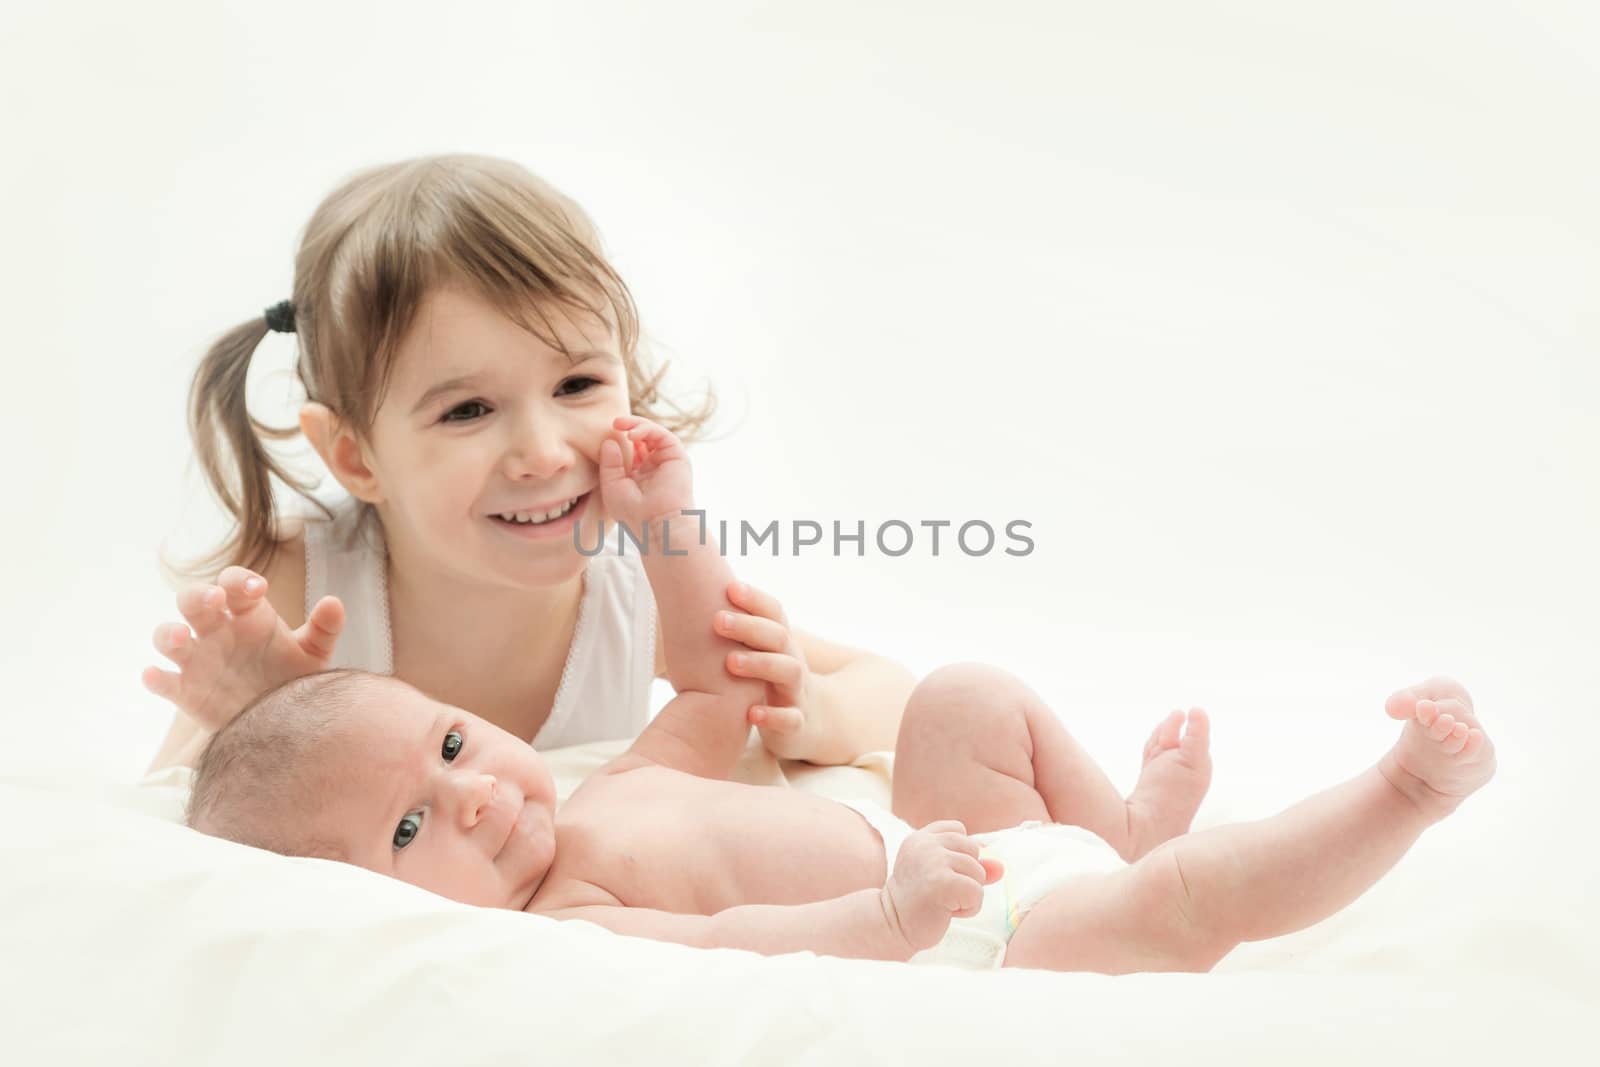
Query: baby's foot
[
  {"x": 1443, "y": 754},
  {"x": 1176, "y": 775}
]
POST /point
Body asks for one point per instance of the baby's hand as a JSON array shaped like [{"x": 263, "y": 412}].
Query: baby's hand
[
  {"x": 937, "y": 877},
  {"x": 644, "y": 473},
  {"x": 239, "y": 647}
]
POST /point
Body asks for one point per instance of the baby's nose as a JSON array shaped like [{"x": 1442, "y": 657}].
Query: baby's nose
[{"x": 477, "y": 795}]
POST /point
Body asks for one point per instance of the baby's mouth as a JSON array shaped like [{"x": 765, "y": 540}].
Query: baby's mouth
[{"x": 511, "y": 828}]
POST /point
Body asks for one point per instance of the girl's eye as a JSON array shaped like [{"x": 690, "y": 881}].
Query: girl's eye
[
  {"x": 585, "y": 383},
  {"x": 451, "y": 747},
  {"x": 407, "y": 831},
  {"x": 468, "y": 411}
]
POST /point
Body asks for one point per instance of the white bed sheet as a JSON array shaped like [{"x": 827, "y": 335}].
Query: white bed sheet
[{"x": 128, "y": 939}]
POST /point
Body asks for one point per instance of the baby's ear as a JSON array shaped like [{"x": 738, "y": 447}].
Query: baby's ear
[{"x": 342, "y": 450}]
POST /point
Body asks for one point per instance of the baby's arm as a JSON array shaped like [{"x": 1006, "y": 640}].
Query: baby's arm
[
  {"x": 937, "y": 876},
  {"x": 854, "y": 925},
  {"x": 704, "y": 728}
]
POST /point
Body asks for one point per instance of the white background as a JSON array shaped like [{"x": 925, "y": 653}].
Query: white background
[{"x": 1277, "y": 322}]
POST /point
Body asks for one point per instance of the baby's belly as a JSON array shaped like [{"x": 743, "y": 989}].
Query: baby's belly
[{"x": 694, "y": 845}]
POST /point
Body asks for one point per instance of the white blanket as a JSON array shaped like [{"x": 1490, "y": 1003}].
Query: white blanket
[{"x": 128, "y": 939}]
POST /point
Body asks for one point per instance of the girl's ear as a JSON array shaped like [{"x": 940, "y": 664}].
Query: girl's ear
[{"x": 342, "y": 451}]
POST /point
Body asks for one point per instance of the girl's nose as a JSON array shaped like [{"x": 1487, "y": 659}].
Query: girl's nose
[
  {"x": 540, "y": 450},
  {"x": 473, "y": 793}
]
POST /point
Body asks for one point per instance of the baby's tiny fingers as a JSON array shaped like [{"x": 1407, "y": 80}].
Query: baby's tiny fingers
[
  {"x": 942, "y": 826},
  {"x": 965, "y": 898},
  {"x": 970, "y": 867},
  {"x": 959, "y": 842}
]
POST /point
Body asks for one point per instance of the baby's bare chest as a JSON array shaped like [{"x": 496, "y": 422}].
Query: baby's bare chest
[{"x": 656, "y": 838}]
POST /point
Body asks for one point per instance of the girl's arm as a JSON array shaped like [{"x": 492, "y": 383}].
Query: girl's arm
[
  {"x": 857, "y": 700},
  {"x": 843, "y": 702}
]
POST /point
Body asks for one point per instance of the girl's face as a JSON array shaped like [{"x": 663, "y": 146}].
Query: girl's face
[{"x": 486, "y": 446}]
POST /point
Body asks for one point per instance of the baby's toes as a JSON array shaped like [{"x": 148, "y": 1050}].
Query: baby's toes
[
  {"x": 1197, "y": 738},
  {"x": 1474, "y": 745},
  {"x": 1441, "y": 727},
  {"x": 1457, "y": 740},
  {"x": 1401, "y": 704},
  {"x": 1458, "y": 709},
  {"x": 1158, "y": 743},
  {"x": 1171, "y": 728}
]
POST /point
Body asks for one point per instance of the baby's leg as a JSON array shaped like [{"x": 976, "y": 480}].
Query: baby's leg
[
  {"x": 1190, "y": 901},
  {"x": 978, "y": 745}
]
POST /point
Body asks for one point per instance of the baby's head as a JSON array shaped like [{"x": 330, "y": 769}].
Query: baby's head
[{"x": 365, "y": 769}]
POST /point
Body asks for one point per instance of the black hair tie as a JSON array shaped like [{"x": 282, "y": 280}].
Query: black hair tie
[{"x": 280, "y": 317}]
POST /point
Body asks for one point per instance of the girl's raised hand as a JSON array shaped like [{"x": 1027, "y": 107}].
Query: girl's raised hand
[
  {"x": 235, "y": 647},
  {"x": 644, "y": 473}
]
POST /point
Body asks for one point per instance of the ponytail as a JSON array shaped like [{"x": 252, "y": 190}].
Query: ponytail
[{"x": 229, "y": 443}]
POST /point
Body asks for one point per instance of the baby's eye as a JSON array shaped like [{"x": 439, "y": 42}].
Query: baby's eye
[
  {"x": 466, "y": 411},
  {"x": 410, "y": 826},
  {"x": 451, "y": 747},
  {"x": 583, "y": 384}
]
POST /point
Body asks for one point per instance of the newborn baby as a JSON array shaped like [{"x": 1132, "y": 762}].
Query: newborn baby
[{"x": 658, "y": 843}]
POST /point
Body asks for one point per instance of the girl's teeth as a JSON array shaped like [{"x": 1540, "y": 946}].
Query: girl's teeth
[{"x": 529, "y": 518}]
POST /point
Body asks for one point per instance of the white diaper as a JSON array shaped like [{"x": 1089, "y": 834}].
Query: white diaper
[{"x": 1038, "y": 857}]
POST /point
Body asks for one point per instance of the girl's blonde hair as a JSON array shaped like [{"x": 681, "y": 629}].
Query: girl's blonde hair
[{"x": 374, "y": 248}]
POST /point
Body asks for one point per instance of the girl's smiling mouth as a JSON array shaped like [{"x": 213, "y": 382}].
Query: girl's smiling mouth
[{"x": 549, "y": 522}]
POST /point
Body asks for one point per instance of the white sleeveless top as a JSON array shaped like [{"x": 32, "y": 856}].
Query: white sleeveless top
[{"x": 605, "y": 686}]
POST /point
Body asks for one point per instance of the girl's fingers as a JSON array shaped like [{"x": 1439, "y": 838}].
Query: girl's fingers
[
  {"x": 201, "y": 606},
  {"x": 763, "y": 635},
  {"x": 772, "y": 667},
  {"x": 173, "y": 640},
  {"x": 244, "y": 588},
  {"x": 321, "y": 631},
  {"x": 163, "y": 684},
  {"x": 777, "y": 720},
  {"x": 756, "y": 602}
]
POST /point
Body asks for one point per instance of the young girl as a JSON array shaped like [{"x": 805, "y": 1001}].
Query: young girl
[{"x": 464, "y": 347}]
